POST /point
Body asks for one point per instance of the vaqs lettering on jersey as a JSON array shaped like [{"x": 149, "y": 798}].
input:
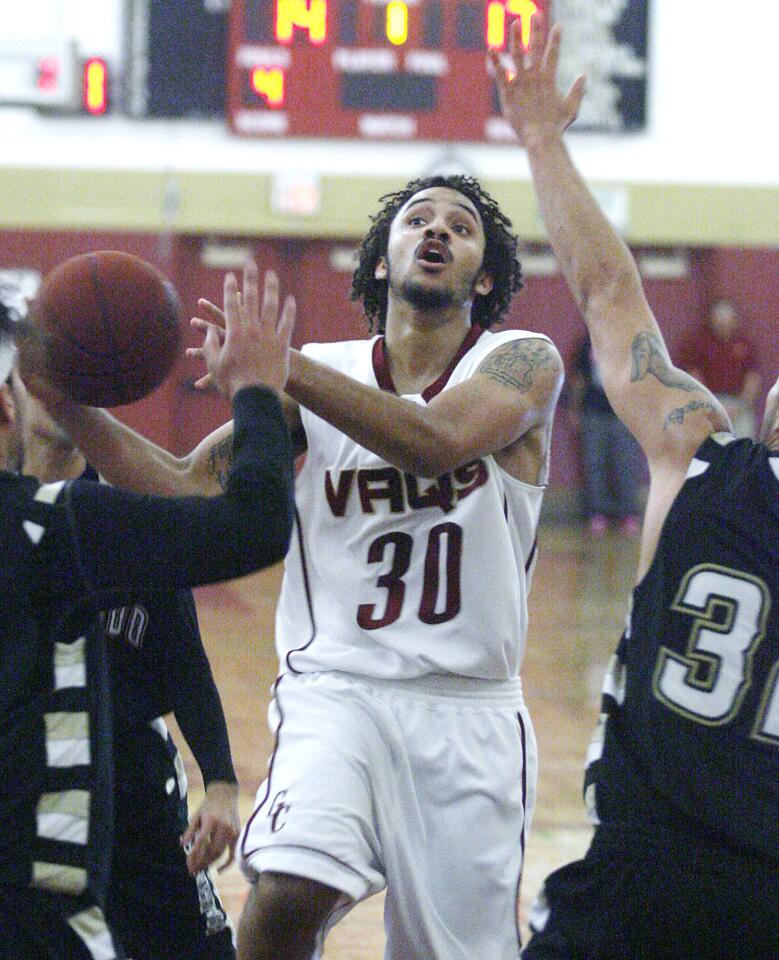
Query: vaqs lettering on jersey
[{"x": 400, "y": 490}]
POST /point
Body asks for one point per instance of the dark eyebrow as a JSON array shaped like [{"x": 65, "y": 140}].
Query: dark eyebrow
[{"x": 462, "y": 206}]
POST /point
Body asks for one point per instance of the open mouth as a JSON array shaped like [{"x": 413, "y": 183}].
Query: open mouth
[{"x": 434, "y": 252}]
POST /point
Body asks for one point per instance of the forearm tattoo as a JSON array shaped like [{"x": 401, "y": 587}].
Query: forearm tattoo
[
  {"x": 650, "y": 356},
  {"x": 677, "y": 416},
  {"x": 519, "y": 362},
  {"x": 221, "y": 460}
]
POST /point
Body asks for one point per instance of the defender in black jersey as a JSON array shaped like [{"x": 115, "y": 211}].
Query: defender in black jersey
[
  {"x": 70, "y": 550},
  {"x": 159, "y": 909},
  {"x": 157, "y": 665},
  {"x": 683, "y": 782}
]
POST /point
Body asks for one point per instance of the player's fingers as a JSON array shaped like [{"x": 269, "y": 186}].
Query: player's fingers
[
  {"x": 211, "y": 347},
  {"x": 552, "y": 52},
  {"x": 270, "y": 299},
  {"x": 535, "y": 47},
  {"x": 573, "y": 99},
  {"x": 203, "y": 326},
  {"x": 501, "y": 76},
  {"x": 521, "y": 58},
  {"x": 230, "y": 856},
  {"x": 188, "y": 836},
  {"x": 287, "y": 321},
  {"x": 251, "y": 291},
  {"x": 232, "y": 303},
  {"x": 213, "y": 313}
]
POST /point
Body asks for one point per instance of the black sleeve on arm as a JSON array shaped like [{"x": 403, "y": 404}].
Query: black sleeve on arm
[
  {"x": 195, "y": 698},
  {"x": 130, "y": 542}
]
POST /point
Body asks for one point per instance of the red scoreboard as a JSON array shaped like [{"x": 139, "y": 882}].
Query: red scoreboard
[{"x": 414, "y": 69}]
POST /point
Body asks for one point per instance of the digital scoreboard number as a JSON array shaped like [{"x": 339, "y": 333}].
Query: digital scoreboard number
[{"x": 416, "y": 69}]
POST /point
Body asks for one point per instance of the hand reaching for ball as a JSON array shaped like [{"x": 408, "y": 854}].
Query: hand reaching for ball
[{"x": 247, "y": 342}]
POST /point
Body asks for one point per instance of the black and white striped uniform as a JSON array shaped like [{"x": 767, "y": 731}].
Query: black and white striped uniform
[{"x": 68, "y": 551}]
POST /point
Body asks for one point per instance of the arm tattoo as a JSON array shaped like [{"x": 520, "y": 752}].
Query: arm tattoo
[
  {"x": 517, "y": 364},
  {"x": 650, "y": 356},
  {"x": 220, "y": 460},
  {"x": 675, "y": 417}
]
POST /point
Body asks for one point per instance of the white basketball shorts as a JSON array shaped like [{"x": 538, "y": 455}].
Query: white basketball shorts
[{"x": 424, "y": 786}]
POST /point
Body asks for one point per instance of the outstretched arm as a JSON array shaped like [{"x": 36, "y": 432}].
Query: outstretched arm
[
  {"x": 197, "y": 706},
  {"x": 515, "y": 390},
  {"x": 668, "y": 411}
]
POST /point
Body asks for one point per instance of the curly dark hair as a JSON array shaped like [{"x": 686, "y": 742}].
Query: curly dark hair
[{"x": 500, "y": 252}]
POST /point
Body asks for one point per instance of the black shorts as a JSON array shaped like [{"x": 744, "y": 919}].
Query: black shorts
[
  {"x": 35, "y": 925},
  {"x": 657, "y": 899},
  {"x": 159, "y": 911}
]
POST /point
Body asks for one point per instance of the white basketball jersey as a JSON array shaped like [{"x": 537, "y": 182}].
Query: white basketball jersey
[{"x": 395, "y": 576}]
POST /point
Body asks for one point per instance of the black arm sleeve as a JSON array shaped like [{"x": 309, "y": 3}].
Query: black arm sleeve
[
  {"x": 194, "y": 697},
  {"x": 125, "y": 541}
]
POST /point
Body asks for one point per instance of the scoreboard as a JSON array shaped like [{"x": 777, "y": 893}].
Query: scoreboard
[{"x": 416, "y": 69}]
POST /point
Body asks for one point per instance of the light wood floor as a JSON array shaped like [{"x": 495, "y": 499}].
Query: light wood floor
[{"x": 578, "y": 607}]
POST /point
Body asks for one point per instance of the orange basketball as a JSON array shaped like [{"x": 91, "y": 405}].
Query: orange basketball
[{"x": 111, "y": 327}]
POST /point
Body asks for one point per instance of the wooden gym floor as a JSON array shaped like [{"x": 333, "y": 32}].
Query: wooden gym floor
[{"x": 577, "y": 612}]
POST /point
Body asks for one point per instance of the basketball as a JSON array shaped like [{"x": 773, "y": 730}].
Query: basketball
[{"x": 110, "y": 326}]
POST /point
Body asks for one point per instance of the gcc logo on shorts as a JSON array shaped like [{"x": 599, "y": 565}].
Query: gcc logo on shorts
[{"x": 278, "y": 812}]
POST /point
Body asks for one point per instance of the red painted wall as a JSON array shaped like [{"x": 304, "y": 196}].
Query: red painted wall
[{"x": 177, "y": 416}]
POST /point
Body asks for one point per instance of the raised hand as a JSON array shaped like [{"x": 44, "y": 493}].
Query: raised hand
[
  {"x": 247, "y": 342},
  {"x": 529, "y": 97}
]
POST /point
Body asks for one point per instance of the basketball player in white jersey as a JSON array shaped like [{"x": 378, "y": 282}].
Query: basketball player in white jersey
[{"x": 404, "y": 757}]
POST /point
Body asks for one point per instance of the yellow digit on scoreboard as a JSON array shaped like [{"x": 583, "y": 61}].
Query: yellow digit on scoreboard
[
  {"x": 397, "y": 22},
  {"x": 496, "y": 21},
  {"x": 268, "y": 83},
  {"x": 308, "y": 15}
]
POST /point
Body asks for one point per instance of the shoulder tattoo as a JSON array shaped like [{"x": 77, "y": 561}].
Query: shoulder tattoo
[
  {"x": 518, "y": 363},
  {"x": 650, "y": 356},
  {"x": 221, "y": 460}
]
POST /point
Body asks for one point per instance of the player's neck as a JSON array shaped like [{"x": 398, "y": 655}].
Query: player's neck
[{"x": 420, "y": 347}]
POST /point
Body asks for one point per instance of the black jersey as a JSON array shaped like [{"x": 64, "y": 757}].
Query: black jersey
[
  {"x": 158, "y": 666},
  {"x": 689, "y": 733},
  {"x": 69, "y": 551}
]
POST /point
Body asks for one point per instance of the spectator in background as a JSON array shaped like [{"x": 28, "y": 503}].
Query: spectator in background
[
  {"x": 725, "y": 361},
  {"x": 609, "y": 452}
]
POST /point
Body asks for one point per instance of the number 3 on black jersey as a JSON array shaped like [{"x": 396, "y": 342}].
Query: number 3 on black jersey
[{"x": 707, "y": 684}]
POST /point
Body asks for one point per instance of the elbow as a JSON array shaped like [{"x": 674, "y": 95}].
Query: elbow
[
  {"x": 436, "y": 456},
  {"x": 273, "y": 532}
]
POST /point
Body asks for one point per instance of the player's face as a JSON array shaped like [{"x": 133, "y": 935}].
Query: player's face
[{"x": 435, "y": 251}]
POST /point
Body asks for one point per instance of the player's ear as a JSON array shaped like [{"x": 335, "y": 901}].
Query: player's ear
[
  {"x": 380, "y": 273},
  {"x": 484, "y": 283}
]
